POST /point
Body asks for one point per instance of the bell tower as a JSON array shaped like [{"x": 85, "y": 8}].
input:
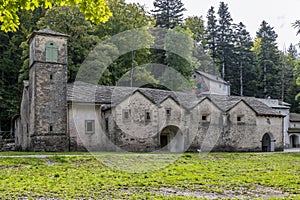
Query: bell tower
[{"x": 48, "y": 91}]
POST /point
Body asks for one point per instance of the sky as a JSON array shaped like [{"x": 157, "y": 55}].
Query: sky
[{"x": 279, "y": 14}]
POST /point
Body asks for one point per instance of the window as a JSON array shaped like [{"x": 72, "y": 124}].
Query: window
[
  {"x": 199, "y": 85},
  {"x": 204, "y": 117},
  {"x": 51, "y": 52},
  {"x": 89, "y": 126},
  {"x": 50, "y": 128},
  {"x": 240, "y": 119},
  {"x": 126, "y": 115},
  {"x": 106, "y": 124},
  {"x": 224, "y": 88},
  {"x": 168, "y": 112},
  {"x": 148, "y": 116},
  {"x": 51, "y": 76}
]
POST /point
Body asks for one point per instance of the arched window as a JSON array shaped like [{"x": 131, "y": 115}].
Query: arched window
[{"x": 51, "y": 52}]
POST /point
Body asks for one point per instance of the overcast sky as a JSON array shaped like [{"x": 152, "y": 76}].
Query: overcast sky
[{"x": 280, "y": 14}]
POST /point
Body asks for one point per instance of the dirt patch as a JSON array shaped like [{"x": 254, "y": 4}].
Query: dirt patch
[{"x": 239, "y": 193}]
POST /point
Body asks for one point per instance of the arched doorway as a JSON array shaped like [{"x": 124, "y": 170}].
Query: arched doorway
[
  {"x": 268, "y": 143},
  {"x": 294, "y": 141},
  {"x": 171, "y": 139}
]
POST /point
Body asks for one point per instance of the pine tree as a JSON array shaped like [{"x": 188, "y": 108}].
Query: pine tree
[
  {"x": 211, "y": 35},
  {"x": 224, "y": 39},
  {"x": 291, "y": 89},
  {"x": 241, "y": 74},
  {"x": 268, "y": 63},
  {"x": 168, "y": 13}
]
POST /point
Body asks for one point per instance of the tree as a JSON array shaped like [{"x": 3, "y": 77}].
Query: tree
[
  {"x": 241, "y": 74},
  {"x": 168, "y": 13},
  {"x": 10, "y": 63},
  {"x": 225, "y": 39},
  {"x": 126, "y": 17},
  {"x": 296, "y": 25},
  {"x": 268, "y": 63},
  {"x": 196, "y": 25},
  {"x": 211, "y": 36},
  {"x": 291, "y": 72},
  {"x": 95, "y": 10}
]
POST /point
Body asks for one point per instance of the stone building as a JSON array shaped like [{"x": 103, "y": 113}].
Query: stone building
[
  {"x": 56, "y": 116},
  {"x": 294, "y": 131}
]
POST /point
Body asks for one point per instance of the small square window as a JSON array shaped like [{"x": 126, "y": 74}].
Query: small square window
[
  {"x": 199, "y": 85},
  {"x": 204, "y": 117},
  {"x": 240, "y": 119},
  {"x": 89, "y": 126}
]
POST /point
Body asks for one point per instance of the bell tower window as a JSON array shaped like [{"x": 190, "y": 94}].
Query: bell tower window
[{"x": 51, "y": 52}]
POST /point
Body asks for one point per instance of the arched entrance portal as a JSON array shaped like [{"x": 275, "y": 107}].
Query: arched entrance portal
[
  {"x": 268, "y": 143},
  {"x": 171, "y": 139},
  {"x": 294, "y": 141}
]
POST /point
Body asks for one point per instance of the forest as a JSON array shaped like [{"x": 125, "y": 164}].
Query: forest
[{"x": 253, "y": 66}]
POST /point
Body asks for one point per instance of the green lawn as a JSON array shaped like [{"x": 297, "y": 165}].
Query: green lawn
[{"x": 150, "y": 176}]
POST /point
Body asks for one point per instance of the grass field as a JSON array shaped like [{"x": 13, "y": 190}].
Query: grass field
[{"x": 118, "y": 176}]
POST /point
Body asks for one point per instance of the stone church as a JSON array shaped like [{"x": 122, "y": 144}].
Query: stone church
[{"x": 57, "y": 116}]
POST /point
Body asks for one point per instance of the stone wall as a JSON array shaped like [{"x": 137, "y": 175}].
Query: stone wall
[{"x": 204, "y": 128}]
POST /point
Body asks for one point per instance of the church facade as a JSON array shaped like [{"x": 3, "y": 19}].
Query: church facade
[{"x": 56, "y": 116}]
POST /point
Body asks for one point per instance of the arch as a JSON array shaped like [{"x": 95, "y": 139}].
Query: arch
[
  {"x": 294, "y": 141},
  {"x": 51, "y": 52},
  {"x": 268, "y": 142},
  {"x": 171, "y": 139}
]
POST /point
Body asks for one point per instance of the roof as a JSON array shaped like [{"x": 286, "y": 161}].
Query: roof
[
  {"x": 275, "y": 103},
  {"x": 226, "y": 103},
  {"x": 294, "y": 117},
  {"x": 212, "y": 77},
  {"x": 88, "y": 93},
  {"x": 47, "y": 31}
]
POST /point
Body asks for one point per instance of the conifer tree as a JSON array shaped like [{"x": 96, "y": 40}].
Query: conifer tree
[
  {"x": 168, "y": 13},
  {"x": 241, "y": 74},
  {"x": 268, "y": 63},
  {"x": 224, "y": 39},
  {"x": 211, "y": 35}
]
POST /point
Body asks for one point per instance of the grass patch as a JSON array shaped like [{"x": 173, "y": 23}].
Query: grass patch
[{"x": 119, "y": 176}]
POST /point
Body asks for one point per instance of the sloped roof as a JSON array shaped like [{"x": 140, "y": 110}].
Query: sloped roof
[
  {"x": 226, "y": 103},
  {"x": 89, "y": 93},
  {"x": 294, "y": 117},
  {"x": 212, "y": 77},
  {"x": 47, "y": 31}
]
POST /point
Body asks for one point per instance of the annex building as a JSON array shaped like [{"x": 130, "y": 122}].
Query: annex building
[{"x": 56, "y": 116}]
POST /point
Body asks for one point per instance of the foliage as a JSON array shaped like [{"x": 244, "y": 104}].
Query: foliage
[
  {"x": 296, "y": 25},
  {"x": 268, "y": 63},
  {"x": 94, "y": 10},
  {"x": 168, "y": 13},
  {"x": 226, "y": 175},
  {"x": 127, "y": 17}
]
